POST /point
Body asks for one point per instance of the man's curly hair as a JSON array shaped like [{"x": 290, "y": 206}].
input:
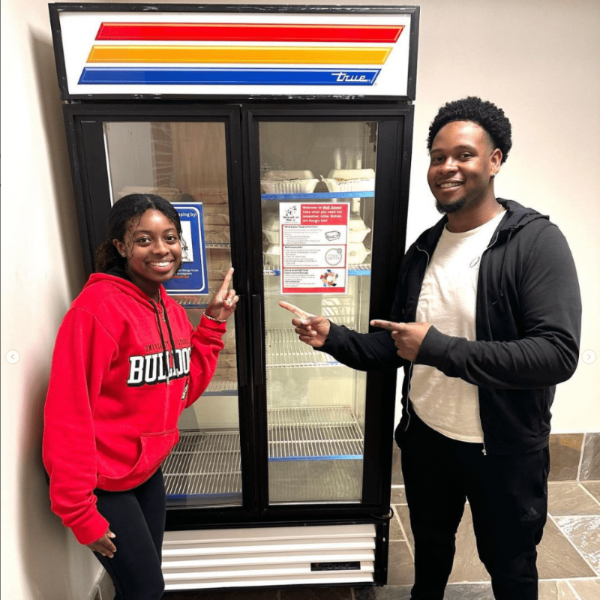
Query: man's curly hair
[{"x": 485, "y": 114}]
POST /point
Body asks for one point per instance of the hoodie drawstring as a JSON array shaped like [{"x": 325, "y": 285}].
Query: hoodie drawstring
[
  {"x": 162, "y": 340},
  {"x": 170, "y": 333}
]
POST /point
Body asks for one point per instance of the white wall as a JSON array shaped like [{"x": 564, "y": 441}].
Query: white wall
[
  {"x": 536, "y": 59},
  {"x": 41, "y": 273},
  {"x": 539, "y": 60}
]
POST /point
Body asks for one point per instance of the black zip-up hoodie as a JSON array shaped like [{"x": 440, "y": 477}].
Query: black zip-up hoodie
[{"x": 528, "y": 326}]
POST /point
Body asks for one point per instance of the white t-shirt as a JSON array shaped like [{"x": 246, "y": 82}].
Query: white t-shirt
[{"x": 447, "y": 300}]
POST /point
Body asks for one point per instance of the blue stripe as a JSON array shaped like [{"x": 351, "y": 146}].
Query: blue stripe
[
  {"x": 190, "y": 76},
  {"x": 317, "y": 195},
  {"x": 296, "y": 458},
  {"x": 352, "y": 272}
]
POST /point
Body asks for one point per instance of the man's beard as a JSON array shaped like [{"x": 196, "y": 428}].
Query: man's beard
[{"x": 450, "y": 208}]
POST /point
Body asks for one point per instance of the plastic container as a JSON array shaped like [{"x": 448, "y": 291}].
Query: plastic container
[
  {"x": 272, "y": 236},
  {"x": 357, "y": 253},
  {"x": 291, "y": 186},
  {"x": 272, "y": 255},
  {"x": 350, "y": 180}
]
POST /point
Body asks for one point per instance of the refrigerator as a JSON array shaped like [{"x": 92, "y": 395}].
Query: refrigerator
[{"x": 283, "y": 136}]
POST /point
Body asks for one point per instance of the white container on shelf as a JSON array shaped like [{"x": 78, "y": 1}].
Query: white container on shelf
[
  {"x": 350, "y": 180},
  {"x": 352, "y": 173},
  {"x": 288, "y": 182},
  {"x": 272, "y": 236},
  {"x": 357, "y": 229},
  {"x": 293, "y": 186},
  {"x": 357, "y": 253},
  {"x": 272, "y": 255},
  {"x": 286, "y": 175}
]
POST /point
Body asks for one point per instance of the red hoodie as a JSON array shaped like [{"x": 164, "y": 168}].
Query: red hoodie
[{"x": 111, "y": 411}]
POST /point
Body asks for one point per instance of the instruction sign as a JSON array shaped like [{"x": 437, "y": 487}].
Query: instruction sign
[
  {"x": 192, "y": 276},
  {"x": 314, "y": 247}
]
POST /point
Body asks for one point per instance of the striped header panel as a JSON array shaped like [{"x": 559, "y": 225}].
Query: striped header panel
[
  {"x": 247, "y": 32},
  {"x": 288, "y": 54}
]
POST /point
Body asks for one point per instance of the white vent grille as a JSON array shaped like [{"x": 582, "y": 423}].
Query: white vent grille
[{"x": 269, "y": 556}]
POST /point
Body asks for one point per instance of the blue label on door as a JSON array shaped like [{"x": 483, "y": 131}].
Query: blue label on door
[{"x": 192, "y": 276}]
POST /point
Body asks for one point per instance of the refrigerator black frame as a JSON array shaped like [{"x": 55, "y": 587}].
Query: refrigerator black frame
[
  {"x": 86, "y": 148},
  {"x": 393, "y": 157},
  {"x": 56, "y": 8},
  {"x": 393, "y": 168}
]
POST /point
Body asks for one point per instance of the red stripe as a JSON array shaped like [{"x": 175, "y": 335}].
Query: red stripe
[{"x": 226, "y": 32}]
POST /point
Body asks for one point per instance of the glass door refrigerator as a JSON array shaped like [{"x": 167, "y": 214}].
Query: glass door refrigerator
[{"x": 283, "y": 137}]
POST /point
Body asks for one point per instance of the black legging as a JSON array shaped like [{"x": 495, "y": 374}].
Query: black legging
[{"x": 137, "y": 518}]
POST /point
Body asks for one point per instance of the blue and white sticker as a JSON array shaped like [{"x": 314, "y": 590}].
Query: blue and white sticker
[{"x": 191, "y": 279}]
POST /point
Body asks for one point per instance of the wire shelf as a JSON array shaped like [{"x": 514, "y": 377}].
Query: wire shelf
[
  {"x": 284, "y": 349},
  {"x": 206, "y": 465},
  {"x": 316, "y": 433}
]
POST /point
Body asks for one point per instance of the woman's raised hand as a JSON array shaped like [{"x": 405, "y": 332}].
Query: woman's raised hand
[
  {"x": 311, "y": 330},
  {"x": 222, "y": 306}
]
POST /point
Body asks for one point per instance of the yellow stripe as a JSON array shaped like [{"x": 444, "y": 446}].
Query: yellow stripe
[{"x": 239, "y": 54}]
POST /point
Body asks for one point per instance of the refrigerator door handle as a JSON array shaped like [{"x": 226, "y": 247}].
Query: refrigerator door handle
[
  {"x": 242, "y": 365},
  {"x": 257, "y": 343}
]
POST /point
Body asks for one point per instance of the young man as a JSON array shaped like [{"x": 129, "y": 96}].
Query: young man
[{"x": 486, "y": 321}]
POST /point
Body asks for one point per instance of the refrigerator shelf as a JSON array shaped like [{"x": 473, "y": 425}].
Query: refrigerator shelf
[
  {"x": 284, "y": 349},
  {"x": 316, "y": 433},
  {"x": 207, "y": 464},
  {"x": 204, "y": 465}
]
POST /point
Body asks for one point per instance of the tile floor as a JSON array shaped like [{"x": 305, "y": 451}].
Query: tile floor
[{"x": 568, "y": 563}]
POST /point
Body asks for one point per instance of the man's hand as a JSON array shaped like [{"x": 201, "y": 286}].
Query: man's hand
[
  {"x": 310, "y": 329},
  {"x": 104, "y": 545},
  {"x": 408, "y": 337}
]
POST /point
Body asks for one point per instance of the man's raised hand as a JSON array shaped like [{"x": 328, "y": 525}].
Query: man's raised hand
[{"x": 311, "y": 330}]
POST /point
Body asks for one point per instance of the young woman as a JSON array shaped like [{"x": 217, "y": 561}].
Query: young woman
[{"x": 126, "y": 363}]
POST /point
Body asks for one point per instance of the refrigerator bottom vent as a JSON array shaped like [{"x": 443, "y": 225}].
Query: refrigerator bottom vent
[{"x": 269, "y": 556}]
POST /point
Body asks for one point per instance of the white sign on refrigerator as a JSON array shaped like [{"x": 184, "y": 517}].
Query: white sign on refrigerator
[{"x": 314, "y": 247}]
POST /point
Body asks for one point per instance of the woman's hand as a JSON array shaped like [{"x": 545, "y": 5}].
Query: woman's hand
[
  {"x": 223, "y": 303},
  {"x": 104, "y": 546}
]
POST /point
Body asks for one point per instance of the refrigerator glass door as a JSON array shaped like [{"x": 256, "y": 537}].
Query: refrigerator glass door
[
  {"x": 185, "y": 162},
  {"x": 317, "y": 203}
]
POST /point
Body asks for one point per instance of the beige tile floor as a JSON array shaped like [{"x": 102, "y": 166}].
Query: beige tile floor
[{"x": 569, "y": 555}]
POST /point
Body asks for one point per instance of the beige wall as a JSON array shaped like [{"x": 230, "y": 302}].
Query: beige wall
[
  {"x": 41, "y": 273},
  {"x": 538, "y": 60}
]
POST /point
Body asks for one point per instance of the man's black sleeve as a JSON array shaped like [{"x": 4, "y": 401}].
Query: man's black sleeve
[{"x": 550, "y": 312}]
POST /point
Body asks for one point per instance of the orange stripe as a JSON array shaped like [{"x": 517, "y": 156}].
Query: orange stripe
[{"x": 239, "y": 54}]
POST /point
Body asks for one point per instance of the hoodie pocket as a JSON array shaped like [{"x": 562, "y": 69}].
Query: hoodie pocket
[{"x": 155, "y": 448}]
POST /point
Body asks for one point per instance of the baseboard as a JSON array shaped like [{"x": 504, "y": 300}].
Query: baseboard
[{"x": 103, "y": 589}]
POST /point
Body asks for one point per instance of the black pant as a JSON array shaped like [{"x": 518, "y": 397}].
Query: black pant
[
  {"x": 508, "y": 500},
  {"x": 137, "y": 518}
]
